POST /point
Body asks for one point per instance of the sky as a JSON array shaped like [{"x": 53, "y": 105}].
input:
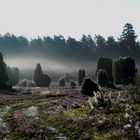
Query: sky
[{"x": 32, "y": 18}]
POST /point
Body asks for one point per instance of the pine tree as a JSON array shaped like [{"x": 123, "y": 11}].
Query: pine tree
[
  {"x": 3, "y": 73},
  {"x": 128, "y": 37}
]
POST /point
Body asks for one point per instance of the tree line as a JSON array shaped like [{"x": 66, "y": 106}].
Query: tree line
[{"x": 88, "y": 47}]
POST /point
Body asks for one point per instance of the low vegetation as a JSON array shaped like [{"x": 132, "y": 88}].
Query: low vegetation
[
  {"x": 87, "y": 110},
  {"x": 68, "y": 114}
]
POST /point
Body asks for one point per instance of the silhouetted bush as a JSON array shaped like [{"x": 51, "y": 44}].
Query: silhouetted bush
[
  {"x": 124, "y": 70},
  {"x": 106, "y": 65},
  {"x": 40, "y": 79},
  {"x": 73, "y": 84},
  {"x": 117, "y": 71},
  {"x": 3, "y": 73},
  {"x": 89, "y": 87},
  {"x": 13, "y": 74},
  {"x": 103, "y": 78},
  {"x": 81, "y": 76},
  {"x": 62, "y": 82},
  {"x": 44, "y": 80}
]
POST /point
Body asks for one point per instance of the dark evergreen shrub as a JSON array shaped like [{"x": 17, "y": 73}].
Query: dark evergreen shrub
[
  {"x": 3, "y": 73},
  {"x": 106, "y": 65},
  {"x": 73, "y": 84},
  {"x": 89, "y": 87},
  {"x": 44, "y": 80},
  {"x": 117, "y": 71},
  {"x": 81, "y": 76},
  {"x": 62, "y": 82},
  {"x": 124, "y": 70},
  {"x": 40, "y": 79},
  {"x": 103, "y": 78}
]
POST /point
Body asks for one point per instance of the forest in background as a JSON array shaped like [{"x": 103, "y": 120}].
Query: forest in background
[{"x": 87, "y": 49}]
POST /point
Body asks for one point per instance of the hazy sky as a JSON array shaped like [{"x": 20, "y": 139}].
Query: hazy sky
[{"x": 68, "y": 17}]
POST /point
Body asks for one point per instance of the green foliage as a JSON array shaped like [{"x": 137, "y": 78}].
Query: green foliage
[
  {"x": 103, "y": 78},
  {"x": 62, "y": 82},
  {"x": 89, "y": 87},
  {"x": 116, "y": 71},
  {"x": 81, "y": 76},
  {"x": 41, "y": 79},
  {"x": 38, "y": 70},
  {"x": 100, "y": 41},
  {"x": 87, "y": 41},
  {"x": 3, "y": 73},
  {"x": 111, "y": 42},
  {"x": 128, "y": 37},
  {"x": 73, "y": 84},
  {"x": 106, "y": 65},
  {"x": 124, "y": 70}
]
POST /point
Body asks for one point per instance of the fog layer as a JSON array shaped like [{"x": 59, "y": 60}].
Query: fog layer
[{"x": 53, "y": 67}]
